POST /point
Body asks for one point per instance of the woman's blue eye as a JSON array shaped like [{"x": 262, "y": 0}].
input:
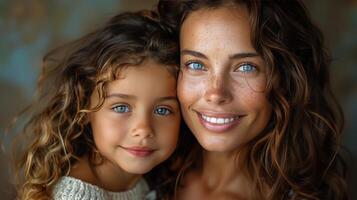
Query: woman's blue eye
[
  {"x": 195, "y": 65},
  {"x": 246, "y": 68},
  {"x": 162, "y": 111},
  {"x": 121, "y": 109}
]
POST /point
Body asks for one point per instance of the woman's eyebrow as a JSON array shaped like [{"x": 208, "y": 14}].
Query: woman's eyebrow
[
  {"x": 233, "y": 56},
  {"x": 193, "y": 53},
  {"x": 243, "y": 55}
]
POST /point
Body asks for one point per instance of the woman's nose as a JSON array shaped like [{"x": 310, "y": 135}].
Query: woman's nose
[{"x": 217, "y": 90}]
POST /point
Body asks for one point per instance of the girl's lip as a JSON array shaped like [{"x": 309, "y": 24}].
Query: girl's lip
[
  {"x": 139, "y": 151},
  {"x": 230, "y": 121}
]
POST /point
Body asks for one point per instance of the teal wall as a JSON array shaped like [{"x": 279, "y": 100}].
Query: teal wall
[{"x": 28, "y": 29}]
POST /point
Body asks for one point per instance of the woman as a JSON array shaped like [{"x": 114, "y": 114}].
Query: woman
[{"x": 254, "y": 90}]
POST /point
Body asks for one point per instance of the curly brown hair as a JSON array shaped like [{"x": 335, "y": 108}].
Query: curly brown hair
[
  {"x": 70, "y": 74},
  {"x": 298, "y": 155}
]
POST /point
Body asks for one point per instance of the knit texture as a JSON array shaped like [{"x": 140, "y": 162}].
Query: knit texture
[{"x": 72, "y": 188}]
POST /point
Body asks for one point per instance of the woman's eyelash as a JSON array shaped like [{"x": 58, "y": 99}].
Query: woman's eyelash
[
  {"x": 243, "y": 67},
  {"x": 194, "y": 65},
  {"x": 246, "y": 67}
]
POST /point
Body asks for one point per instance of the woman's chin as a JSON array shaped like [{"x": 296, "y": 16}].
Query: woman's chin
[{"x": 212, "y": 145}]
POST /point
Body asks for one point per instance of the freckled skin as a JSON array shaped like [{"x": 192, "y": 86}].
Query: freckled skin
[
  {"x": 221, "y": 76},
  {"x": 217, "y": 34}
]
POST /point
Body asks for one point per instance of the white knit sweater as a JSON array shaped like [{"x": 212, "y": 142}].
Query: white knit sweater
[{"x": 69, "y": 188}]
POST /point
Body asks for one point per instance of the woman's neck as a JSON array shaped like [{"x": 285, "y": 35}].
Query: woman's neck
[{"x": 225, "y": 171}]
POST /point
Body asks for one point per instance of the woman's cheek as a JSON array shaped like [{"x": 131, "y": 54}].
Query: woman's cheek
[{"x": 189, "y": 88}]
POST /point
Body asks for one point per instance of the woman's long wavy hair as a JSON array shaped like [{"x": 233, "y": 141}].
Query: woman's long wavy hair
[
  {"x": 57, "y": 127},
  {"x": 298, "y": 155}
]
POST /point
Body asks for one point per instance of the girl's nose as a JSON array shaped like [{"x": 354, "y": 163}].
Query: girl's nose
[{"x": 142, "y": 128}]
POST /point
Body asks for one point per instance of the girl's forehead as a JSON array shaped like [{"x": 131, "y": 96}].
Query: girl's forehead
[
  {"x": 119, "y": 70},
  {"x": 147, "y": 79},
  {"x": 147, "y": 68}
]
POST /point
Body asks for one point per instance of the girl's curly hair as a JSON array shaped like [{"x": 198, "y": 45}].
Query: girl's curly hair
[{"x": 58, "y": 131}]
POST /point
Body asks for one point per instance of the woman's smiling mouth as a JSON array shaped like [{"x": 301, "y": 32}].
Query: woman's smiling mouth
[{"x": 218, "y": 122}]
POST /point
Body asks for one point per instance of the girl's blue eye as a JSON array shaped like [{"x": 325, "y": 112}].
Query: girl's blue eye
[
  {"x": 162, "y": 111},
  {"x": 121, "y": 109},
  {"x": 195, "y": 66},
  {"x": 246, "y": 68}
]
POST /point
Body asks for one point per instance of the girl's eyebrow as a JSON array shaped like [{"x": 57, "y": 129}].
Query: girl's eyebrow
[
  {"x": 167, "y": 98},
  {"x": 128, "y": 96},
  {"x": 120, "y": 95}
]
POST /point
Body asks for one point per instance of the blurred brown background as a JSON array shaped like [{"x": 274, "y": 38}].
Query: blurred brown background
[{"x": 28, "y": 29}]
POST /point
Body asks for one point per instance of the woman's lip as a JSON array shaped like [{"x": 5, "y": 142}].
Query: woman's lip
[
  {"x": 230, "y": 121},
  {"x": 217, "y": 114},
  {"x": 139, "y": 151}
]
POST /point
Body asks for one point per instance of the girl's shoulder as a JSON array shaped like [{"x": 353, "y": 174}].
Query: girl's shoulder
[{"x": 72, "y": 188}]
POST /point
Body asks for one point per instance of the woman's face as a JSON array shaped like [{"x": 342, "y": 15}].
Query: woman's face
[{"x": 222, "y": 82}]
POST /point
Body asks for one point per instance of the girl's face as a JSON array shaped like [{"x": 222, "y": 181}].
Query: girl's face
[
  {"x": 138, "y": 125},
  {"x": 222, "y": 83}
]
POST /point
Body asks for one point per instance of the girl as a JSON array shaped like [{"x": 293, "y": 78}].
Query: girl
[
  {"x": 107, "y": 113},
  {"x": 254, "y": 90}
]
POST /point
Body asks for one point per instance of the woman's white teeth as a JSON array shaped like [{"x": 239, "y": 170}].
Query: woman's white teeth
[{"x": 218, "y": 120}]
